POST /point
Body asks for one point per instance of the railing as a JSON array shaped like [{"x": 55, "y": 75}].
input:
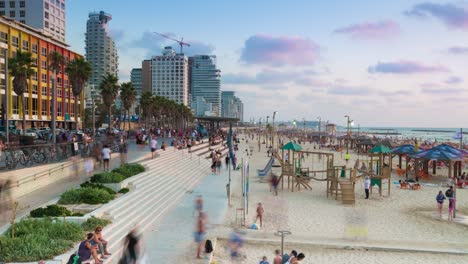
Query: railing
[{"x": 26, "y": 156}]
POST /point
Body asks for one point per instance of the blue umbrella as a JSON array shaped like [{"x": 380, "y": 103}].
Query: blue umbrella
[
  {"x": 404, "y": 149},
  {"x": 451, "y": 149},
  {"x": 437, "y": 154}
]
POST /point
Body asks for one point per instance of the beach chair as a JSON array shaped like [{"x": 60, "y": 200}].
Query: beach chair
[{"x": 401, "y": 172}]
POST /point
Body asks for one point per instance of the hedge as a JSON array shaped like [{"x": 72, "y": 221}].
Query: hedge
[
  {"x": 97, "y": 186},
  {"x": 41, "y": 239},
  {"x": 85, "y": 195},
  {"x": 118, "y": 174},
  {"x": 52, "y": 211}
]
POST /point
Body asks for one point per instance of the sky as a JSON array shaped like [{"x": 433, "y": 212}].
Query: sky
[{"x": 384, "y": 63}]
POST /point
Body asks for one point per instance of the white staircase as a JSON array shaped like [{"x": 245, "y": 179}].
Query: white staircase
[{"x": 153, "y": 193}]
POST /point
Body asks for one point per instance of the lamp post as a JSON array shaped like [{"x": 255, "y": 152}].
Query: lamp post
[
  {"x": 320, "y": 129},
  {"x": 7, "y": 95},
  {"x": 273, "y": 124},
  {"x": 348, "y": 132}
]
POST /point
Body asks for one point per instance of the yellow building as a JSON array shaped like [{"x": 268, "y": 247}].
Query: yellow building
[{"x": 14, "y": 36}]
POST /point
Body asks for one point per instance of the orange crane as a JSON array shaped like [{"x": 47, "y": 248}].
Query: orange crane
[{"x": 180, "y": 42}]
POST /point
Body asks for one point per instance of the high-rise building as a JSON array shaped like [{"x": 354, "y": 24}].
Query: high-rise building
[
  {"x": 205, "y": 85},
  {"x": 146, "y": 76},
  {"x": 170, "y": 76},
  {"x": 14, "y": 36},
  {"x": 47, "y": 16},
  {"x": 101, "y": 51},
  {"x": 232, "y": 106},
  {"x": 135, "y": 79}
]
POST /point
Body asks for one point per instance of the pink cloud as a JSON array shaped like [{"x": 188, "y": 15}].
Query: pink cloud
[
  {"x": 269, "y": 50},
  {"x": 371, "y": 30},
  {"x": 405, "y": 67},
  {"x": 451, "y": 15}
]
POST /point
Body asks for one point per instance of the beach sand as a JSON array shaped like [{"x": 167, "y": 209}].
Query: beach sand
[{"x": 407, "y": 217}]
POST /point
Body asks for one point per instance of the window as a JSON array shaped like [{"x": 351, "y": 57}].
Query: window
[
  {"x": 44, "y": 51},
  {"x": 44, "y": 91},
  {"x": 44, "y": 64},
  {"x": 25, "y": 45},
  {"x": 2, "y": 12},
  {"x": 14, "y": 41},
  {"x": 22, "y": 13},
  {"x": 43, "y": 107},
  {"x": 34, "y": 106},
  {"x": 34, "y": 77},
  {"x": 59, "y": 93},
  {"x": 59, "y": 109},
  {"x": 59, "y": 82},
  {"x": 46, "y": 15},
  {"x": 22, "y": 3},
  {"x": 12, "y": 13},
  {"x": 46, "y": 5},
  {"x": 4, "y": 37},
  {"x": 2, "y": 4},
  {"x": 34, "y": 48},
  {"x": 12, "y": 4},
  {"x": 34, "y": 62},
  {"x": 34, "y": 88},
  {"x": 23, "y": 21},
  {"x": 44, "y": 78},
  {"x": 66, "y": 83},
  {"x": 46, "y": 24}
]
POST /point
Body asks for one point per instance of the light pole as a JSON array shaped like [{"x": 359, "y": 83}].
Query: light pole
[
  {"x": 348, "y": 132},
  {"x": 303, "y": 123},
  {"x": 273, "y": 134},
  {"x": 320, "y": 128},
  {"x": 7, "y": 95}
]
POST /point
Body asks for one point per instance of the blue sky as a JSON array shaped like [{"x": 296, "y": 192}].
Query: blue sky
[{"x": 384, "y": 63}]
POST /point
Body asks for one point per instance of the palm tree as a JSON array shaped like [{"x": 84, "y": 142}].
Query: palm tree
[
  {"x": 109, "y": 90},
  {"x": 79, "y": 71},
  {"x": 21, "y": 69},
  {"x": 55, "y": 66},
  {"x": 146, "y": 106},
  {"x": 128, "y": 95}
]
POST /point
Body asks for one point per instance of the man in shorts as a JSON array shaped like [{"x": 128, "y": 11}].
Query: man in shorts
[
  {"x": 153, "y": 146},
  {"x": 106, "y": 156}
]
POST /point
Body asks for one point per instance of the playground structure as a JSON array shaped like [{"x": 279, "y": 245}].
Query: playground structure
[{"x": 378, "y": 171}]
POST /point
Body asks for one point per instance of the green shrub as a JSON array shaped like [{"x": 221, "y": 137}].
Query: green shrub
[
  {"x": 51, "y": 210},
  {"x": 124, "y": 190},
  {"x": 107, "y": 177},
  {"x": 94, "y": 222},
  {"x": 39, "y": 239},
  {"x": 129, "y": 170},
  {"x": 85, "y": 195},
  {"x": 97, "y": 186}
]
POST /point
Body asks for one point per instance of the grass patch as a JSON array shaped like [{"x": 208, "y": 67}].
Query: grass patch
[
  {"x": 97, "y": 186},
  {"x": 124, "y": 190},
  {"x": 41, "y": 239},
  {"x": 85, "y": 195},
  {"x": 118, "y": 174},
  {"x": 52, "y": 211}
]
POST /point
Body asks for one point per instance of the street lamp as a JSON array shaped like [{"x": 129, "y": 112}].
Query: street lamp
[
  {"x": 273, "y": 124},
  {"x": 348, "y": 132},
  {"x": 6, "y": 108},
  {"x": 320, "y": 128}
]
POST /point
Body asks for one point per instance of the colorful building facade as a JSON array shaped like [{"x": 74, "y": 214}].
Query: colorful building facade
[{"x": 38, "y": 107}]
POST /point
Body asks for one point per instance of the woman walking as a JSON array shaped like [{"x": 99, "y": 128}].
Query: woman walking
[{"x": 440, "y": 202}]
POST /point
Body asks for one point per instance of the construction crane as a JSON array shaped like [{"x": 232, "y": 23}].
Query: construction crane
[{"x": 180, "y": 42}]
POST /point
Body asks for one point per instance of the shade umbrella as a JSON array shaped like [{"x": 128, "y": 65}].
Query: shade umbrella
[
  {"x": 380, "y": 149},
  {"x": 292, "y": 146},
  {"x": 404, "y": 150},
  {"x": 452, "y": 150},
  {"x": 439, "y": 154}
]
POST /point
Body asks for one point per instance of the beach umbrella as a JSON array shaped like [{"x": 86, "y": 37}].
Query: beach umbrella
[
  {"x": 404, "y": 150},
  {"x": 451, "y": 149},
  {"x": 380, "y": 149},
  {"x": 292, "y": 146},
  {"x": 437, "y": 154}
]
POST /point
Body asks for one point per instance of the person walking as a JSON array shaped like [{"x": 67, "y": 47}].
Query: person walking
[
  {"x": 153, "y": 146},
  {"x": 450, "y": 194},
  {"x": 200, "y": 233},
  {"x": 367, "y": 184},
  {"x": 277, "y": 259},
  {"x": 440, "y": 202},
  {"x": 106, "y": 156},
  {"x": 260, "y": 212},
  {"x": 226, "y": 160}
]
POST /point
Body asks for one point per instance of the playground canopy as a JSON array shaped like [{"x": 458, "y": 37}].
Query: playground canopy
[
  {"x": 438, "y": 154},
  {"x": 404, "y": 150},
  {"x": 292, "y": 146},
  {"x": 452, "y": 150},
  {"x": 380, "y": 149}
]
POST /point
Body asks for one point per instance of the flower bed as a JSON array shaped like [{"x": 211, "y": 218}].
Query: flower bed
[{"x": 41, "y": 239}]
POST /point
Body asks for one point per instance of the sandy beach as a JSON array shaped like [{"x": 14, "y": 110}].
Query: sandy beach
[{"x": 405, "y": 219}]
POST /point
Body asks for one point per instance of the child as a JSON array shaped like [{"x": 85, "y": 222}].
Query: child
[
  {"x": 260, "y": 212},
  {"x": 264, "y": 260}
]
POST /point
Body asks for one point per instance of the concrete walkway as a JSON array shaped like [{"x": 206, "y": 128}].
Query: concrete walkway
[
  {"x": 48, "y": 194},
  {"x": 175, "y": 234}
]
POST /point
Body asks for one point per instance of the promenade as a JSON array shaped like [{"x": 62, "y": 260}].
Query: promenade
[{"x": 75, "y": 175}]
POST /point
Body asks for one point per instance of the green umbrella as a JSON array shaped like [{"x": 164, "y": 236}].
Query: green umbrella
[
  {"x": 292, "y": 146},
  {"x": 380, "y": 149}
]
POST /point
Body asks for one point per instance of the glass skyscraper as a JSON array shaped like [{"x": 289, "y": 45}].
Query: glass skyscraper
[{"x": 205, "y": 84}]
